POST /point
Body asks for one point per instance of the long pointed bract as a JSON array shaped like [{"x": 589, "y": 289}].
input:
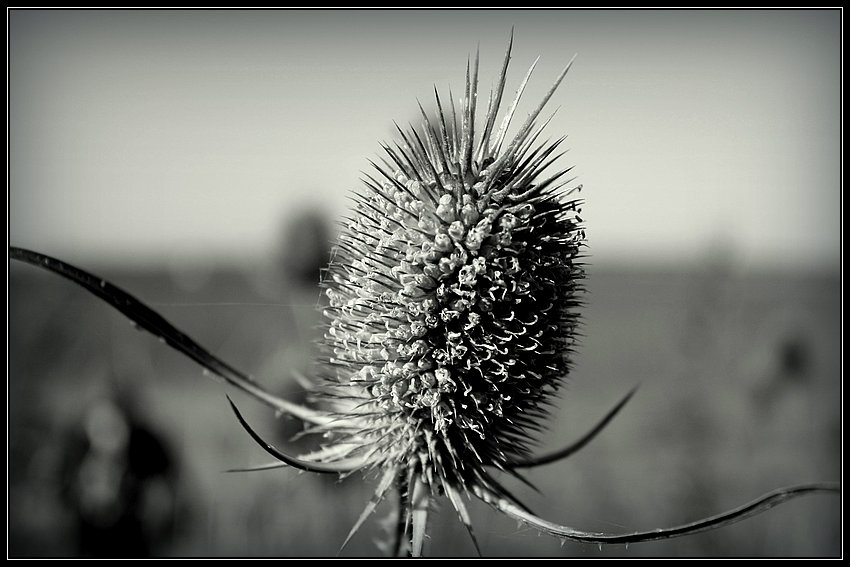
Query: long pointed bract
[
  {"x": 733, "y": 516},
  {"x": 462, "y": 512},
  {"x": 146, "y": 318},
  {"x": 577, "y": 445},
  {"x": 419, "y": 514},
  {"x": 309, "y": 466},
  {"x": 384, "y": 485},
  {"x": 495, "y": 103}
]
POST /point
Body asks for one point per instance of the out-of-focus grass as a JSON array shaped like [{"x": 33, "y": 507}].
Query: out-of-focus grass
[{"x": 740, "y": 394}]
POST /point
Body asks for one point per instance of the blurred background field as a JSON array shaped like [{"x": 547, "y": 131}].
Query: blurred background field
[{"x": 740, "y": 393}]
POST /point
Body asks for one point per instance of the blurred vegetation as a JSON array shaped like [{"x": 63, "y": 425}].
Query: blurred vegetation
[{"x": 740, "y": 394}]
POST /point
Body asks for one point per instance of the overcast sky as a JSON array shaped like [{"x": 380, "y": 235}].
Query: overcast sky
[{"x": 165, "y": 135}]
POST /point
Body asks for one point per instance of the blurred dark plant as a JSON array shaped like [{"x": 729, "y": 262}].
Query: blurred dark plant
[
  {"x": 119, "y": 480},
  {"x": 305, "y": 248}
]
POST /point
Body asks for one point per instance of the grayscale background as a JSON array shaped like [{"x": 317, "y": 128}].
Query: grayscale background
[{"x": 199, "y": 159}]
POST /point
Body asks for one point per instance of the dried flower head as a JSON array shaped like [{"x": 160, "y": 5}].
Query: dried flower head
[
  {"x": 453, "y": 300},
  {"x": 453, "y": 306}
]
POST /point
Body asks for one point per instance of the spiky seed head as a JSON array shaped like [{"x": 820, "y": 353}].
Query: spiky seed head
[{"x": 453, "y": 296}]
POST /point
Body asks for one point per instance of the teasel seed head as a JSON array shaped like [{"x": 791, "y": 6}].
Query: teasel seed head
[{"x": 453, "y": 297}]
